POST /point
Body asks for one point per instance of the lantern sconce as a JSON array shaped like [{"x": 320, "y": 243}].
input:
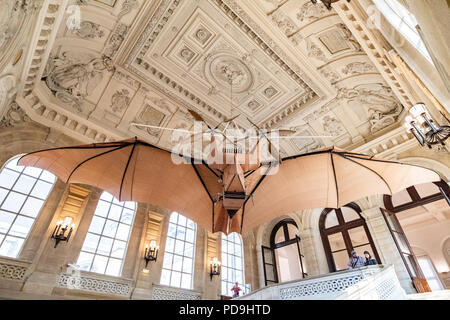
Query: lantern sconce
[
  {"x": 214, "y": 268},
  {"x": 425, "y": 130},
  {"x": 151, "y": 252},
  {"x": 59, "y": 233}
]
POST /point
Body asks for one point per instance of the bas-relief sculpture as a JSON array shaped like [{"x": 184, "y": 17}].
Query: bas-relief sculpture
[
  {"x": 73, "y": 77},
  {"x": 14, "y": 115},
  {"x": 383, "y": 109}
]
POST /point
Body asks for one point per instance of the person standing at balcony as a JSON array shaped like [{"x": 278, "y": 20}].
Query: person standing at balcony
[
  {"x": 356, "y": 261},
  {"x": 236, "y": 290},
  {"x": 369, "y": 260}
]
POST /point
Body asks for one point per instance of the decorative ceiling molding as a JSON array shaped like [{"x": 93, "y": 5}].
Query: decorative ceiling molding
[
  {"x": 50, "y": 18},
  {"x": 356, "y": 20},
  {"x": 67, "y": 122}
]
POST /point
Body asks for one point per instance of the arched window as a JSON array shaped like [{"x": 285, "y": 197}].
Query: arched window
[
  {"x": 405, "y": 22},
  {"x": 232, "y": 263},
  {"x": 106, "y": 241},
  {"x": 283, "y": 260},
  {"x": 23, "y": 191},
  {"x": 178, "y": 265},
  {"x": 342, "y": 231}
]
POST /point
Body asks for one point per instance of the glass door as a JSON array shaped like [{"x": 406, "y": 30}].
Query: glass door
[{"x": 410, "y": 260}]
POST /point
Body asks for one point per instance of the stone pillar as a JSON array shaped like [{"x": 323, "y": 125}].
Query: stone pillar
[
  {"x": 50, "y": 261},
  {"x": 251, "y": 254},
  {"x": 308, "y": 249},
  {"x": 212, "y": 287},
  {"x": 154, "y": 228},
  {"x": 386, "y": 247}
]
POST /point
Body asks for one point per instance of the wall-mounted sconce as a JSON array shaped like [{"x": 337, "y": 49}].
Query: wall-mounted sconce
[
  {"x": 214, "y": 268},
  {"x": 425, "y": 130},
  {"x": 59, "y": 233},
  {"x": 151, "y": 252}
]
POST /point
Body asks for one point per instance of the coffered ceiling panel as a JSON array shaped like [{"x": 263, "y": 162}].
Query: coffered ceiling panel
[{"x": 282, "y": 63}]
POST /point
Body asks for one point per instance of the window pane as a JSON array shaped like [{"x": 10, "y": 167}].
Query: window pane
[
  {"x": 331, "y": 220},
  {"x": 341, "y": 259},
  {"x": 186, "y": 281},
  {"x": 172, "y": 230},
  {"x": 47, "y": 176},
  {"x": 15, "y": 190},
  {"x": 102, "y": 208},
  {"x": 112, "y": 244},
  {"x": 32, "y": 207},
  {"x": 14, "y": 201},
  {"x": 178, "y": 267},
  {"x": 85, "y": 261},
  {"x": 114, "y": 266},
  {"x": 99, "y": 264},
  {"x": 110, "y": 228},
  {"x": 349, "y": 214},
  {"x": 165, "y": 277},
  {"x": 12, "y": 164},
  {"x": 177, "y": 263},
  {"x": 127, "y": 216},
  {"x": 168, "y": 258},
  {"x": 106, "y": 196},
  {"x": 175, "y": 279},
  {"x": 358, "y": 236},
  {"x": 31, "y": 171},
  {"x": 97, "y": 225},
  {"x": 6, "y": 220},
  {"x": 24, "y": 184},
  {"x": 189, "y": 250},
  {"x": 3, "y": 193},
  {"x": 42, "y": 189},
  {"x": 187, "y": 265},
  {"x": 8, "y": 178},
  {"x": 181, "y": 232},
  {"x": 170, "y": 245},
  {"x": 190, "y": 236},
  {"x": 104, "y": 246},
  {"x": 21, "y": 226},
  {"x": 336, "y": 241},
  {"x": 179, "y": 247},
  {"x": 91, "y": 242},
  {"x": 123, "y": 231},
  {"x": 182, "y": 220},
  {"x": 11, "y": 247},
  {"x": 118, "y": 250},
  {"x": 114, "y": 212}
]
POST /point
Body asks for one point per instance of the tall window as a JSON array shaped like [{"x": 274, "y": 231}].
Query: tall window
[
  {"x": 404, "y": 22},
  {"x": 232, "y": 263},
  {"x": 23, "y": 191},
  {"x": 179, "y": 254},
  {"x": 106, "y": 242},
  {"x": 343, "y": 230}
]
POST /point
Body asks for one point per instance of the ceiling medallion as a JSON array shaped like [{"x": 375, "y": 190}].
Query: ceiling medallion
[{"x": 222, "y": 68}]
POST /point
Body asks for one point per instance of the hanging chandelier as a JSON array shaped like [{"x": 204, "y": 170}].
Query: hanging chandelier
[
  {"x": 424, "y": 128},
  {"x": 327, "y": 3}
]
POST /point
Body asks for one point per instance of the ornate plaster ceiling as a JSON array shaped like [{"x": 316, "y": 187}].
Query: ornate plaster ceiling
[{"x": 292, "y": 64}]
